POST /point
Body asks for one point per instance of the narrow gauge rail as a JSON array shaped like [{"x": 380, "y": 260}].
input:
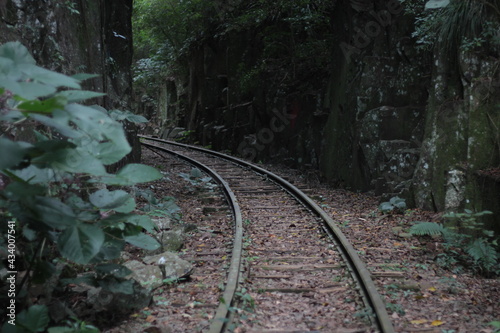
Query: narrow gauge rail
[{"x": 251, "y": 193}]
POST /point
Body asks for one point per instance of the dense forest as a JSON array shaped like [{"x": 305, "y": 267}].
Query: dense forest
[{"x": 398, "y": 97}]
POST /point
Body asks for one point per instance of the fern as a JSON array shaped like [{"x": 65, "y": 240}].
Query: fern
[
  {"x": 483, "y": 254},
  {"x": 427, "y": 229},
  {"x": 458, "y": 246}
]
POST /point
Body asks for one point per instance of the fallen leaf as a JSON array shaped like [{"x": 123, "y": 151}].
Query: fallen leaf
[
  {"x": 432, "y": 289},
  {"x": 437, "y": 323},
  {"x": 150, "y": 319},
  {"x": 419, "y": 321}
]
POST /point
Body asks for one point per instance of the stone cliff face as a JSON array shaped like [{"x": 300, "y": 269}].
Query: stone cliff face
[
  {"x": 82, "y": 36},
  {"x": 379, "y": 114}
]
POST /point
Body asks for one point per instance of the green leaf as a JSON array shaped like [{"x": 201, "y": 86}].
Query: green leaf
[
  {"x": 116, "y": 270},
  {"x": 109, "y": 152},
  {"x": 196, "y": 173},
  {"x": 35, "y": 319},
  {"x": 143, "y": 241},
  {"x": 12, "y": 154},
  {"x": 28, "y": 233},
  {"x": 427, "y": 229},
  {"x": 16, "y": 52},
  {"x": 127, "y": 207},
  {"x": 138, "y": 173},
  {"x": 434, "y": 4},
  {"x": 118, "y": 221},
  {"x": 77, "y": 161},
  {"x": 98, "y": 125},
  {"x": 482, "y": 252},
  {"x": 50, "y": 78},
  {"x": 111, "y": 249},
  {"x": 44, "y": 106},
  {"x": 42, "y": 271},
  {"x": 127, "y": 115},
  {"x": 495, "y": 324},
  {"x": 88, "y": 278},
  {"x": 142, "y": 221},
  {"x": 60, "y": 122},
  {"x": 84, "y": 76},
  {"x": 385, "y": 207},
  {"x": 79, "y": 95},
  {"x": 106, "y": 199},
  {"x": 54, "y": 213},
  {"x": 20, "y": 190},
  {"x": 81, "y": 242},
  {"x": 34, "y": 90}
]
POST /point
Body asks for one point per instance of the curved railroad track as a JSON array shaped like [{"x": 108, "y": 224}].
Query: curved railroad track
[{"x": 286, "y": 252}]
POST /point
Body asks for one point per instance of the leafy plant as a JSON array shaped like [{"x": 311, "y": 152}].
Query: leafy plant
[
  {"x": 54, "y": 186},
  {"x": 196, "y": 179},
  {"x": 427, "y": 229},
  {"x": 466, "y": 240},
  {"x": 454, "y": 24},
  {"x": 395, "y": 204},
  {"x": 496, "y": 325}
]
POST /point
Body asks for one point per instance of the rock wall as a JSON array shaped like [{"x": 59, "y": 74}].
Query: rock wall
[
  {"x": 377, "y": 95},
  {"x": 461, "y": 148},
  {"x": 382, "y": 115}
]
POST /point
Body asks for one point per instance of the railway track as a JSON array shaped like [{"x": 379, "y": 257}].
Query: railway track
[{"x": 290, "y": 269}]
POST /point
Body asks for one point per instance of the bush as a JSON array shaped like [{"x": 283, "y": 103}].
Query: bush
[
  {"x": 53, "y": 196},
  {"x": 469, "y": 242}
]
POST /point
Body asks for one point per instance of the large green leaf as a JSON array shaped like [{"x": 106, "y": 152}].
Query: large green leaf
[
  {"x": 49, "y": 78},
  {"x": 107, "y": 152},
  {"x": 132, "y": 174},
  {"x": 79, "y": 95},
  {"x": 12, "y": 153},
  {"x": 78, "y": 161},
  {"x": 106, "y": 199},
  {"x": 142, "y": 221},
  {"x": 36, "y": 175},
  {"x": 127, "y": 207},
  {"x": 81, "y": 242},
  {"x": 54, "y": 213},
  {"x": 16, "y": 52},
  {"x": 143, "y": 241},
  {"x": 43, "y": 106},
  {"x": 35, "y": 319},
  {"x": 98, "y": 125},
  {"x": 34, "y": 90},
  {"x": 10, "y": 83},
  {"x": 60, "y": 122},
  {"x": 111, "y": 249},
  {"x": 118, "y": 221}
]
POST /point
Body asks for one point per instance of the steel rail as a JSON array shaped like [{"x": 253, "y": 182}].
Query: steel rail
[
  {"x": 221, "y": 315},
  {"x": 360, "y": 271}
]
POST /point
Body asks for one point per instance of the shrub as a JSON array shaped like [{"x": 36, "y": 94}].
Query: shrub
[
  {"x": 468, "y": 242},
  {"x": 53, "y": 190}
]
